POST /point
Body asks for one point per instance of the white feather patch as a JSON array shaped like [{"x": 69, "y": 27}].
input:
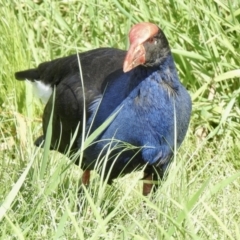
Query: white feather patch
[{"x": 41, "y": 90}]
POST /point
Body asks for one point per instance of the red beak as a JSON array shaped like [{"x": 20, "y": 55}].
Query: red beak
[{"x": 135, "y": 56}]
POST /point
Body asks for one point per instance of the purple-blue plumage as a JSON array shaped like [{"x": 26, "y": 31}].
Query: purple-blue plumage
[{"x": 149, "y": 101}]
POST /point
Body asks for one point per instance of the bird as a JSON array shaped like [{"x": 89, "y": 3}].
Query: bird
[{"x": 148, "y": 106}]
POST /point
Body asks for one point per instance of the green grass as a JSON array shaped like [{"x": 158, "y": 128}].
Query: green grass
[{"x": 200, "y": 197}]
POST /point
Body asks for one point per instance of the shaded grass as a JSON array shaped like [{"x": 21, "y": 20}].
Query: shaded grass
[{"x": 198, "y": 200}]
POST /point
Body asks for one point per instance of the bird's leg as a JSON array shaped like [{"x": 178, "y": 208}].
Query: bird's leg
[
  {"x": 84, "y": 182},
  {"x": 86, "y": 178},
  {"x": 147, "y": 187}
]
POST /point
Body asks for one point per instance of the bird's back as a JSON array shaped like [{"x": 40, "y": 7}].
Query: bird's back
[{"x": 71, "y": 96}]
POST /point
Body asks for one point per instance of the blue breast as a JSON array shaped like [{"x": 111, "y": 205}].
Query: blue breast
[{"x": 146, "y": 100}]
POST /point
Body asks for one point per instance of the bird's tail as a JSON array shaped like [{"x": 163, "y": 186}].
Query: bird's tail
[{"x": 30, "y": 74}]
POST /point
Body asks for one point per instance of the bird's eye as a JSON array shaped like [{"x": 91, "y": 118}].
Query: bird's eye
[{"x": 152, "y": 40}]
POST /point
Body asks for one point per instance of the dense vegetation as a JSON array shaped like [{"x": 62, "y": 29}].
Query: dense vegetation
[{"x": 38, "y": 189}]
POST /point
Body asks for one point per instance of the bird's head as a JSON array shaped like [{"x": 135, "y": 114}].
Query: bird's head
[{"x": 148, "y": 46}]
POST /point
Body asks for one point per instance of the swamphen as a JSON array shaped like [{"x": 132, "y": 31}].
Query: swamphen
[{"x": 152, "y": 109}]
